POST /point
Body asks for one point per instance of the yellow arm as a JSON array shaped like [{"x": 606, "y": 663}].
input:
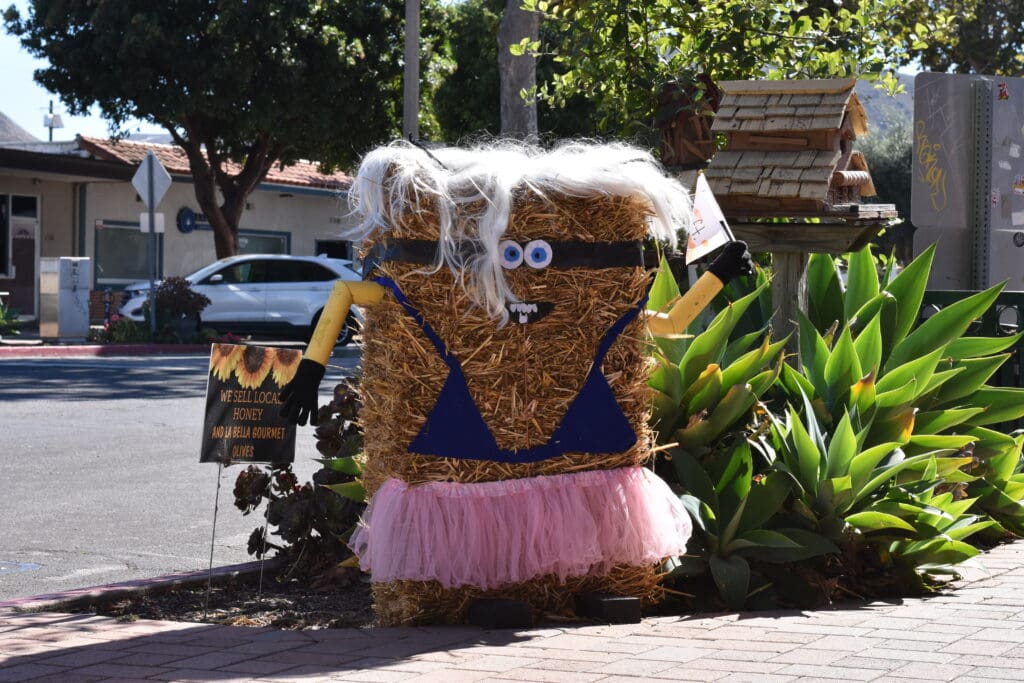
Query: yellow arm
[
  {"x": 687, "y": 308},
  {"x": 332, "y": 319}
]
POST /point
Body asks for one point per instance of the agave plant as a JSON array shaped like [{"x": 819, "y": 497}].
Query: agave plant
[
  {"x": 706, "y": 383},
  {"x": 864, "y": 352},
  {"x": 731, "y": 509}
]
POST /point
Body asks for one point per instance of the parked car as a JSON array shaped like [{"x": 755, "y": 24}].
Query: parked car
[{"x": 262, "y": 294}]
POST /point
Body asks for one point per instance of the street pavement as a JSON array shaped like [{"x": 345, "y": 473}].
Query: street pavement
[
  {"x": 974, "y": 633},
  {"x": 102, "y": 475}
]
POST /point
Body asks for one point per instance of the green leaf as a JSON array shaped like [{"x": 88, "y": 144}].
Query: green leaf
[
  {"x": 347, "y": 465},
  {"x": 948, "y": 324},
  {"x": 763, "y": 538},
  {"x": 814, "y": 354},
  {"x": 842, "y": 448},
  {"x": 750, "y": 364},
  {"x": 664, "y": 289},
  {"x": 1000, "y": 404},
  {"x": 963, "y": 532},
  {"x": 707, "y": 347},
  {"x": 740, "y": 346},
  {"x": 908, "y": 289},
  {"x": 353, "y": 490},
  {"x": 861, "y": 281},
  {"x": 842, "y": 370},
  {"x": 794, "y": 383},
  {"x": 808, "y": 457},
  {"x": 732, "y": 577},
  {"x": 835, "y": 494},
  {"x": 732, "y": 474},
  {"x": 824, "y": 291},
  {"x": 919, "y": 371},
  {"x": 764, "y": 500},
  {"x": 736, "y": 403},
  {"x": 888, "y": 474},
  {"x": 868, "y": 345},
  {"x": 876, "y": 521},
  {"x": 864, "y": 462},
  {"x": 811, "y": 545},
  {"x": 694, "y": 478},
  {"x": 972, "y": 347},
  {"x": 665, "y": 412},
  {"x": 974, "y": 372},
  {"x": 941, "y": 441},
  {"x": 704, "y": 392}
]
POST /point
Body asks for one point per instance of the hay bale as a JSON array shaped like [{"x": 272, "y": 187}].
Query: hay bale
[
  {"x": 522, "y": 378},
  {"x": 407, "y": 603}
]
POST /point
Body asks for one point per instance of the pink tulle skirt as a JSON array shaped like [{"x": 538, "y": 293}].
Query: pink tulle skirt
[{"x": 495, "y": 533}]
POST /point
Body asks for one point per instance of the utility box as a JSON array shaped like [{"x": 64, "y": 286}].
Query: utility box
[{"x": 64, "y": 297}]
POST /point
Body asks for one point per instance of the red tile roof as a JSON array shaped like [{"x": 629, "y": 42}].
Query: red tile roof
[{"x": 173, "y": 158}]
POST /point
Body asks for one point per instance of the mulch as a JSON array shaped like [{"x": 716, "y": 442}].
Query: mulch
[{"x": 278, "y": 603}]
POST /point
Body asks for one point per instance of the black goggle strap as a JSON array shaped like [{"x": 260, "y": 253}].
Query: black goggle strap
[{"x": 574, "y": 254}]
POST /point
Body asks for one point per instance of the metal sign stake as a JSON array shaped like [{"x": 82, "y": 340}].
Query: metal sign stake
[
  {"x": 263, "y": 542},
  {"x": 213, "y": 537}
]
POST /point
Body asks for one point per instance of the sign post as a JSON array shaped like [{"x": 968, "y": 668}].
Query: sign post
[{"x": 151, "y": 181}]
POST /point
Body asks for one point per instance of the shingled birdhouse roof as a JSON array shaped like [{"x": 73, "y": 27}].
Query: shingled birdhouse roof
[{"x": 790, "y": 148}]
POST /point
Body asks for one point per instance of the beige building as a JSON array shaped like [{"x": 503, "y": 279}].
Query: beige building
[{"x": 76, "y": 199}]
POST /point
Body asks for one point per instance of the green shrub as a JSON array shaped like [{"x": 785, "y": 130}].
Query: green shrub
[
  {"x": 311, "y": 520},
  {"x": 9, "y": 322},
  {"x": 880, "y": 464}
]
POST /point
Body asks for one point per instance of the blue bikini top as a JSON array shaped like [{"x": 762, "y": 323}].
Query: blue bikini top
[{"x": 593, "y": 423}]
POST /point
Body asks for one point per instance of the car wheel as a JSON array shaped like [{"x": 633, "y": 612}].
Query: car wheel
[{"x": 347, "y": 334}]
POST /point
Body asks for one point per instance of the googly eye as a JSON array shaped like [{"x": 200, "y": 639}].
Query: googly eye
[
  {"x": 538, "y": 254},
  {"x": 511, "y": 254}
]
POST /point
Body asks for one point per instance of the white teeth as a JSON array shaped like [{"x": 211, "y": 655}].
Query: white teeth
[
  {"x": 522, "y": 308},
  {"x": 523, "y": 319}
]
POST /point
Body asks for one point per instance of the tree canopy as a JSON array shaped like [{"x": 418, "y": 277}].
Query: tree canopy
[
  {"x": 621, "y": 55},
  {"x": 466, "y": 101},
  {"x": 987, "y": 37},
  {"x": 255, "y": 83}
]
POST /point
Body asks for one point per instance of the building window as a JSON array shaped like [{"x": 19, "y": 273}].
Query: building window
[
  {"x": 122, "y": 254},
  {"x": 5, "y": 235},
  {"x": 262, "y": 242}
]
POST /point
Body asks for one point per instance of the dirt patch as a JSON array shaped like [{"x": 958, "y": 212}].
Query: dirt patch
[{"x": 280, "y": 603}]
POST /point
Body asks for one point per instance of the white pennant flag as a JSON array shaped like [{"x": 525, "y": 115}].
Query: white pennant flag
[{"x": 709, "y": 230}]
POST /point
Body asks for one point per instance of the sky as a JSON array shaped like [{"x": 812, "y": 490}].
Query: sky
[{"x": 25, "y": 101}]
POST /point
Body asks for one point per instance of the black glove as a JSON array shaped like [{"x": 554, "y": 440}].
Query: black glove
[
  {"x": 734, "y": 260},
  {"x": 300, "y": 396}
]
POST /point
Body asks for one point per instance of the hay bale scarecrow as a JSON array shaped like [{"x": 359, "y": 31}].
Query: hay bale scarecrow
[{"x": 504, "y": 398}]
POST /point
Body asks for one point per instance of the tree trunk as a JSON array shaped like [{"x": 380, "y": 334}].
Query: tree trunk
[
  {"x": 517, "y": 73},
  {"x": 209, "y": 176}
]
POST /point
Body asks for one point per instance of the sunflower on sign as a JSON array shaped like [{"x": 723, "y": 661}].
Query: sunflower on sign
[
  {"x": 253, "y": 366},
  {"x": 223, "y": 358},
  {"x": 286, "y": 361}
]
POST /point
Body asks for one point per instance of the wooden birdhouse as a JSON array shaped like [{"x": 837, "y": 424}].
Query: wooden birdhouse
[
  {"x": 684, "y": 116},
  {"x": 789, "y": 154},
  {"x": 790, "y": 150}
]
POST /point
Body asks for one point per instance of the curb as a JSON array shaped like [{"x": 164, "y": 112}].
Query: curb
[
  {"x": 86, "y": 350},
  {"x": 53, "y": 602}
]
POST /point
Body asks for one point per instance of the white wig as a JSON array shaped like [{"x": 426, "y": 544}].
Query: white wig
[{"x": 393, "y": 180}]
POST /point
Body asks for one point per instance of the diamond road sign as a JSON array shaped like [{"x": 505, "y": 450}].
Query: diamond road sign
[{"x": 161, "y": 180}]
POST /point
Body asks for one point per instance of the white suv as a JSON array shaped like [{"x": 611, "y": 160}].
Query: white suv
[{"x": 263, "y": 294}]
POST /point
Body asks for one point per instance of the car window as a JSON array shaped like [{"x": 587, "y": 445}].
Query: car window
[
  {"x": 299, "y": 271},
  {"x": 248, "y": 272}
]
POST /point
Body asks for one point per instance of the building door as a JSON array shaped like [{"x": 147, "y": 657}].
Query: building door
[
  {"x": 24, "y": 238},
  {"x": 19, "y": 237}
]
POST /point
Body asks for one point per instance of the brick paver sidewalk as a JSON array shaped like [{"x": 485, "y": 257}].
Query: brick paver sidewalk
[{"x": 972, "y": 634}]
